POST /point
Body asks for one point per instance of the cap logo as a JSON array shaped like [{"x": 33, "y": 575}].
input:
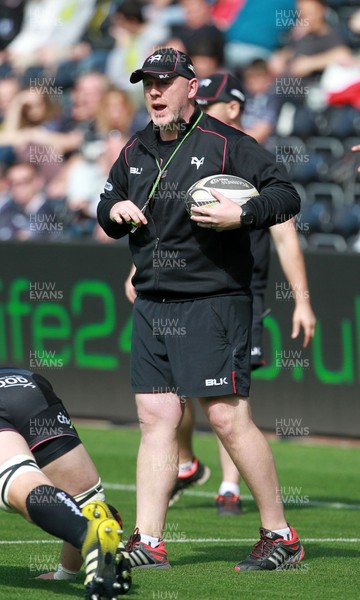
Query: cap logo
[
  {"x": 205, "y": 82},
  {"x": 163, "y": 75},
  {"x": 191, "y": 68},
  {"x": 155, "y": 58},
  {"x": 237, "y": 93}
]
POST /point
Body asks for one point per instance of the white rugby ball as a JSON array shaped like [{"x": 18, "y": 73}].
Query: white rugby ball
[{"x": 235, "y": 188}]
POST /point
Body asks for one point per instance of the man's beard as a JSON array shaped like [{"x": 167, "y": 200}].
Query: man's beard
[{"x": 176, "y": 123}]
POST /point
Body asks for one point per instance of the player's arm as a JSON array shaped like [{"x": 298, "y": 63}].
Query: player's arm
[
  {"x": 303, "y": 65},
  {"x": 293, "y": 265},
  {"x": 356, "y": 149}
]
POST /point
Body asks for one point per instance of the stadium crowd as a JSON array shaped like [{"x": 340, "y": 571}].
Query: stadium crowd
[{"x": 67, "y": 107}]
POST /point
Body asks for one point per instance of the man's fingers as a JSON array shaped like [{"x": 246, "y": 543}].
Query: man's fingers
[
  {"x": 46, "y": 576},
  {"x": 218, "y": 195},
  {"x": 295, "y": 330},
  {"x": 116, "y": 218},
  {"x": 201, "y": 211},
  {"x": 309, "y": 333},
  {"x": 138, "y": 219},
  {"x": 131, "y": 217},
  {"x": 205, "y": 222},
  {"x": 201, "y": 218}
]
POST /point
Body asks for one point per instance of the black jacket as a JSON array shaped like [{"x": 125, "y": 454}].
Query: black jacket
[{"x": 174, "y": 257}]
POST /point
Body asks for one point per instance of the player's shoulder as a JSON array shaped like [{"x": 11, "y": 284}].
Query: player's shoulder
[{"x": 130, "y": 143}]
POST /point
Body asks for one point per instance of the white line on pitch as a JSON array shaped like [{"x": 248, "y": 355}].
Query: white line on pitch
[
  {"x": 125, "y": 487},
  {"x": 201, "y": 541}
]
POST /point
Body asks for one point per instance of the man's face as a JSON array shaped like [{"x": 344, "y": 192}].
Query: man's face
[
  {"x": 311, "y": 14},
  {"x": 87, "y": 94},
  {"x": 24, "y": 183},
  {"x": 168, "y": 100}
]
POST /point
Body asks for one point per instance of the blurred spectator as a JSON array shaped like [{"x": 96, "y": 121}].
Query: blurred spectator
[
  {"x": 11, "y": 18},
  {"x": 90, "y": 53},
  {"x": 32, "y": 108},
  {"x": 80, "y": 116},
  {"x": 354, "y": 24},
  {"x": 224, "y": 12},
  {"x": 198, "y": 27},
  {"x": 32, "y": 131},
  {"x": 27, "y": 214},
  {"x": 164, "y": 12},
  {"x": 258, "y": 29},
  {"x": 85, "y": 182},
  {"x": 49, "y": 29},
  {"x": 135, "y": 38},
  {"x": 4, "y": 188},
  {"x": 96, "y": 40},
  {"x": 9, "y": 87},
  {"x": 313, "y": 44},
  {"x": 261, "y": 110},
  {"x": 79, "y": 125},
  {"x": 116, "y": 111},
  {"x": 348, "y": 16},
  {"x": 33, "y": 115},
  {"x": 205, "y": 57}
]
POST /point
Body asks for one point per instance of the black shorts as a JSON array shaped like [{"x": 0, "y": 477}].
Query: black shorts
[
  {"x": 29, "y": 405},
  {"x": 194, "y": 348}
]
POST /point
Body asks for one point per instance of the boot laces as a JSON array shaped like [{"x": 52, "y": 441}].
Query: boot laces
[
  {"x": 263, "y": 547},
  {"x": 133, "y": 540}
]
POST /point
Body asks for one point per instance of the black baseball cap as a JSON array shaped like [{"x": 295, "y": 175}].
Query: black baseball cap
[
  {"x": 219, "y": 87},
  {"x": 165, "y": 63}
]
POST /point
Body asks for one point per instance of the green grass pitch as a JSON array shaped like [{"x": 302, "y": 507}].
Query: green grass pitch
[{"x": 319, "y": 483}]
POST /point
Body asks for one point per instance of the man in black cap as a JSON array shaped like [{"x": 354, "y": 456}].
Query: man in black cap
[
  {"x": 221, "y": 96},
  {"x": 192, "y": 314},
  {"x": 221, "y": 88}
]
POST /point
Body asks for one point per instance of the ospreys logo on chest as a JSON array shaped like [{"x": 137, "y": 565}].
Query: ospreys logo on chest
[{"x": 197, "y": 161}]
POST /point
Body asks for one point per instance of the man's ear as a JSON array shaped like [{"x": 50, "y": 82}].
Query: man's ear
[
  {"x": 193, "y": 88},
  {"x": 234, "y": 110}
]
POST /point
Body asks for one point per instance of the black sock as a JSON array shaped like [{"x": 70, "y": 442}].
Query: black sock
[{"x": 56, "y": 512}]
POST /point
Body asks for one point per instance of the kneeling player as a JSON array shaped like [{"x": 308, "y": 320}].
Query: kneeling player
[{"x": 47, "y": 476}]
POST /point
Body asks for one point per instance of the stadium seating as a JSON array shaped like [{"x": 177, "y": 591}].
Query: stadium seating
[{"x": 327, "y": 241}]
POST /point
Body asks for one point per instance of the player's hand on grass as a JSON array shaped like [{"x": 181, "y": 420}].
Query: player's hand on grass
[
  {"x": 126, "y": 212},
  {"x": 222, "y": 216}
]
